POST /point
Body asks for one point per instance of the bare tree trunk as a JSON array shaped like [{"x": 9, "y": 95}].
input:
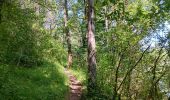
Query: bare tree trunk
[
  {"x": 106, "y": 8},
  {"x": 153, "y": 88},
  {"x": 115, "y": 92},
  {"x": 84, "y": 26},
  {"x": 68, "y": 35},
  {"x": 106, "y": 20},
  {"x": 91, "y": 48}
]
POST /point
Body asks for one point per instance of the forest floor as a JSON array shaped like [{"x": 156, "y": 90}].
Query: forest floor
[
  {"x": 46, "y": 82},
  {"x": 75, "y": 86}
]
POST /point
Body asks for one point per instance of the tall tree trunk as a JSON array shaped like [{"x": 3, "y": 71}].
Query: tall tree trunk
[
  {"x": 106, "y": 20},
  {"x": 84, "y": 37},
  {"x": 106, "y": 25},
  {"x": 84, "y": 26},
  {"x": 153, "y": 88},
  {"x": 91, "y": 48},
  {"x": 68, "y": 35}
]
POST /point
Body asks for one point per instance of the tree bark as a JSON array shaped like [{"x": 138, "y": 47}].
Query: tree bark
[
  {"x": 106, "y": 20},
  {"x": 84, "y": 26},
  {"x": 68, "y": 35},
  {"x": 91, "y": 48},
  {"x": 153, "y": 89}
]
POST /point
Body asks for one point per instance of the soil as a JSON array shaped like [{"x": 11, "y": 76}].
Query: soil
[{"x": 75, "y": 87}]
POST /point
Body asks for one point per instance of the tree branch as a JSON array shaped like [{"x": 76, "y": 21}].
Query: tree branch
[
  {"x": 133, "y": 67},
  {"x": 117, "y": 71},
  {"x": 35, "y": 1}
]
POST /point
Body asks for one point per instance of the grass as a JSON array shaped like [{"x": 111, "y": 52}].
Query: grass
[
  {"x": 80, "y": 73},
  {"x": 47, "y": 82}
]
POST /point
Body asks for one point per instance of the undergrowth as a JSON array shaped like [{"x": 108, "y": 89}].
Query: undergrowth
[
  {"x": 81, "y": 74},
  {"x": 47, "y": 82}
]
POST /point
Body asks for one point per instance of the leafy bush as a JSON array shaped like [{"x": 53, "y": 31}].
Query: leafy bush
[{"x": 23, "y": 39}]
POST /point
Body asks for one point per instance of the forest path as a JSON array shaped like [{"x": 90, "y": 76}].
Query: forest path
[{"x": 75, "y": 87}]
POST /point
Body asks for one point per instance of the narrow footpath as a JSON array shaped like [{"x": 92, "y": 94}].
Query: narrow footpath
[{"x": 75, "y": 87}]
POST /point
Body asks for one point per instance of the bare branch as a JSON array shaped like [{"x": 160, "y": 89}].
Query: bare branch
[
  {"x": 155, "y": 65},
  {"x": 161, "y": 74},
  {"x": 133, "y": 67},
  {"x": 117, "y": 71}
]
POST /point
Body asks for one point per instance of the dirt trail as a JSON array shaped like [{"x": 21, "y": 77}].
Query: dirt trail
[{"x": 75, "y": 90}]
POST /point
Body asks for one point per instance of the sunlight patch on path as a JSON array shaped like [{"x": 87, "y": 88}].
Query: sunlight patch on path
[{"x": 75, "y": 87}]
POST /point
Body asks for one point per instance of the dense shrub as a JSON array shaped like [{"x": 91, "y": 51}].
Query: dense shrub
[{"x": 23, "y": 39}]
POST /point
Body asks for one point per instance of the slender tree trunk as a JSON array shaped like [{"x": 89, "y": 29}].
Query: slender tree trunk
[
  {"x": 153, "y": 88},
  {"x": 106, "y": 8},
  {"x": 68, "y": 35},
  {"x": 115, "y": 92},
  {"x": 106, "y": 20},
  {"x": 91, "y": 48},
  {"x": 84, "y": 26}
]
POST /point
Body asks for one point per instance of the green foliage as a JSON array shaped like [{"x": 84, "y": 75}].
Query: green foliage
[
  {"x": 120, "y": 48},
  {"x": 32, "y": 33},
  {"x": 24, "y": 41},
  {"x": 27, "y": 55},
  {"x": 47, "y": 82},
  {"x": 80, "y": 73}
]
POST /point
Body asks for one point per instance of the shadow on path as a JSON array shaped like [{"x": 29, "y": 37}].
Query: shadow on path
[{"x": 75, "y": 90}]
